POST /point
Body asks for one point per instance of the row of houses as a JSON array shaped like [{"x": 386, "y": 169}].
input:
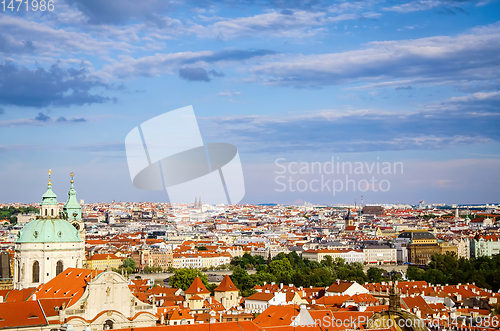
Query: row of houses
[{"x": 376, "y": 254}]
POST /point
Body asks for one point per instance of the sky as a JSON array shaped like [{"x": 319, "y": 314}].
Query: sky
[{"x": 402, "y": 96}]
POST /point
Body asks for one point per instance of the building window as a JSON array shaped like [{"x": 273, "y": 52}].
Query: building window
[
  {"x": 59, "y": 267},
  {"x": 36, "y": 272},
  {"x": 108, "y": 325}
]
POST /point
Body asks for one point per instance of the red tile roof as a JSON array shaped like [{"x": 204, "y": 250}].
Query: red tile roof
[
  {"x": 197, "y": 287},
  {"x": 226, "y": 285},
  {"x": 227, "y": 326},
  {"x": 21, "y": 314},
  {"x": 70, "y": 283}
]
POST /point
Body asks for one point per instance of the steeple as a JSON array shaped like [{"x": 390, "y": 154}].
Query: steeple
[
  {"x": 72, "y": 208},
  {"x": 73, "y": 211},
  {"x": 49, "y": 205},
  {"x": 394, "y": 298}
]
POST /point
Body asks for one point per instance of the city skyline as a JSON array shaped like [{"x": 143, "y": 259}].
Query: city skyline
[{"x": 291, "y": 85}]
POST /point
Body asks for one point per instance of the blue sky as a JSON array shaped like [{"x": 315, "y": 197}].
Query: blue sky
[{"x": 416, "y": 82}]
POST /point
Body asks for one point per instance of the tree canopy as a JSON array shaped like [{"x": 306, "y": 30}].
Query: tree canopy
[
  {"x": 293, "y": 269},
  {"x": 448, "y": 269},
  {"x": 184, "y": 277}
]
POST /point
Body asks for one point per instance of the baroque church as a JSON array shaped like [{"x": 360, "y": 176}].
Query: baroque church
[
  {"x": 49, "y": 259},
  {"x": 52, "y": 242}
]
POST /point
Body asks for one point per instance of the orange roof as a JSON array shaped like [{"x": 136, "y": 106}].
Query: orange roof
[
  {"x": 99, "y": 257},
  {"x": 226, "y": 285},
  {"x": 261, "y": 296},
  {"x": 49, "y": 306},
  {"x": 197, "y": 287},
  {"x": 196, "y": 297},
  {"x": 70, "y": 283},
  {"x": 179, "y": 314},
  {"x": 339, "y": 287},
  {"x": 17, "y": 295},
  {"x": 332, "y": 300},
  {"x": 227, "y": 326},
  {"x": 276, "y": 316},
  {"x": 21, "y": 314}
]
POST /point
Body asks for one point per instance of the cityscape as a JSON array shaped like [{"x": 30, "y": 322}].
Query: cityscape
[
  {"x": 72, "y": 265},
  {"x": 249, "y": 165}
]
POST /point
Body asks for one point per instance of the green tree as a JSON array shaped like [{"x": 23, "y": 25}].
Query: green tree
[
  {"x": 282, "y": 269},
  {"x": 260, "y": 278},
  {"x": 375, "y": 275},
  {"x": 211, "y": 287},
  {"x": 184, "y": 277}
]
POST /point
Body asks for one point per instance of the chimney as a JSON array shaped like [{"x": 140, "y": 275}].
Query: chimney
[{"x": 281, "y": 286}]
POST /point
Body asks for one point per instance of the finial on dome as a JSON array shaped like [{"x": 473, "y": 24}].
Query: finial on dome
[
  {"x": 72, "y": 175},
  {"x": 50, "y": 173}
]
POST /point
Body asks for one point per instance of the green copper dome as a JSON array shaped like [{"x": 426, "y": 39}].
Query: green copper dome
[
  {"x": 49, "y": 197},
  {"x": 48, "y": 231}
]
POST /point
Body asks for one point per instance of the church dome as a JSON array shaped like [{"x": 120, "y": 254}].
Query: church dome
[{"x": 46, "y": 230}]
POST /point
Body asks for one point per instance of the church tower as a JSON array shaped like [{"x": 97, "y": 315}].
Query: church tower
[
  {"x": 394, "y": 298},
  {"x": 227, "y": 294},
  {"x": 47, "y": 245},
  {"x": 73, "y": 211},
  {"x": 348, "y": 220}
]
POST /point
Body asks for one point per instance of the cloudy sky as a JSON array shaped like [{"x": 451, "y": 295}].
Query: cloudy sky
[{"x": 292, "y": 83}]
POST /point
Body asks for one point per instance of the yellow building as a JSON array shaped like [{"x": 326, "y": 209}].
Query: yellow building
[
  {"x": 102, "y": 261},
  {"x": 418, "y": 237}
]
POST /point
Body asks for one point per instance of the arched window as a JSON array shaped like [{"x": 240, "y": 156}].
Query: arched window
[
  {"x": 108, "y": 325},
  {"x": 52, "y": 211},
  {"x": 59, "y": 267},
  {"x": 45, "y": 212},
  {"x": 36, "y": 272}
]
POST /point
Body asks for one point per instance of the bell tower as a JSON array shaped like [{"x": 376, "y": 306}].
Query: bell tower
[{"x": 73, "y": 211}]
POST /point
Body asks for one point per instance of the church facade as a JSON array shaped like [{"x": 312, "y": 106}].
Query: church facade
[{"x": 50, "y": 243}]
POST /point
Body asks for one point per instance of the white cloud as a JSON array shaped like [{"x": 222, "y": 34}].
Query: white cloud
[
  {"x": 47, "y": 40},
  {"x": 466, "y": 57},
  {"x": 298, "y": 24},
  {"x": 228, "y": 93},
  {"x": 158, "y": 64}
]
